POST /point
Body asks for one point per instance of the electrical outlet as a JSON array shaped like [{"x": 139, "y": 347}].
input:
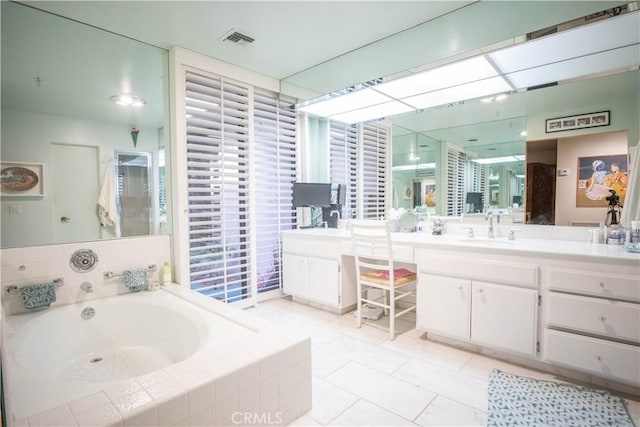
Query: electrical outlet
[
  {"x": 564, "y": 172},
  {"x": 15, "y": 209}
]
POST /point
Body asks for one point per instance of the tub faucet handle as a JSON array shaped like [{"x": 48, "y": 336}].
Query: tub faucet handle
[{"x": 87, "y": 287}]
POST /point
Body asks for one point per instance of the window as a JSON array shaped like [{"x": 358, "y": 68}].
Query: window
[
  {"x": 274, "y": 169},
  {"x": 218, "y": 187}
]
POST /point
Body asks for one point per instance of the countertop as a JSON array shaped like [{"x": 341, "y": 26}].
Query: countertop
[{"x": 520, "y": 246}]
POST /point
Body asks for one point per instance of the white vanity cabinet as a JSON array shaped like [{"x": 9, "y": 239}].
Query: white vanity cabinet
[
  {"x": 312, "y": 278},
  {"x": 444, "y": 305},
  {"x": 312, "y": 271},
  {"x": 504, "y": 317},
  {"x": 592, "y": 320},
  {"x": 495, "y": 314}
]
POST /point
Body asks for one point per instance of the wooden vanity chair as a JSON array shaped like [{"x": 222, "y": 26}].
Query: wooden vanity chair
[{"x": 375, "y": 269}]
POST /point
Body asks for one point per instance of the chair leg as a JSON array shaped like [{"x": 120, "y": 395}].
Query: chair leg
[
  {"x": 359, "y": 305},
  {"x": 392, "y": 315},
  {"x": 386, "y": 302}
]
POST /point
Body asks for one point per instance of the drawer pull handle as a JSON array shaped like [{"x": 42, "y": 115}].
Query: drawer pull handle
[
  {"x": 599, "y": 358},
  {"x": 603, "y": 319},
  {"x": 602, "y": 285},
  {"x": 459, "y": 288},
  {"x": 480, "y": 290}
]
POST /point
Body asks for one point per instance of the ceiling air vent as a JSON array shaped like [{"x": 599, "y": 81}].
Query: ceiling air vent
[{"x": 238, "y": 38}]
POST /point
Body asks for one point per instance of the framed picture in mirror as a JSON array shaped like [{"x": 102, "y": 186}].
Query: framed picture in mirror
[
  {"x": 598, "y": 176},
  {"x": 590, "y": 120},
  {"x": 21, "y": 179}
]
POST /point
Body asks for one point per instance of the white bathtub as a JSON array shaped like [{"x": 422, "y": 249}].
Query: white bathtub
[{"x": 123, "y": 360}]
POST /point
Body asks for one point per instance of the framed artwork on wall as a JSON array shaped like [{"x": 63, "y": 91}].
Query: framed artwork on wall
[
  {"x": 21, "y": 179},
  {"x": 597, "y": 176}
]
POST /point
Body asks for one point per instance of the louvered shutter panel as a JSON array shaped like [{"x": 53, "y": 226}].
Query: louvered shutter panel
[
  {"x": 374, "y": 145},
  {"x": 218, "y": 187},
  {"x": 343, "y": 160},
  {"x": 455, "y": 181},
  {"x": 274, "y": 174}
]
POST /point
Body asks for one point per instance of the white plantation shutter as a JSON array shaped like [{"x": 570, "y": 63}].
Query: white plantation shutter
[
  {"x": 343, "y": 162},
  {"x": 374, "y": 146},
  {"x": 455, "y": 181},
  {"x": 274, "y": 168},
  {"x": 218, "y": 187}
]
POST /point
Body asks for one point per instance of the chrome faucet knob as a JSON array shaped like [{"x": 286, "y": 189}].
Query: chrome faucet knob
[
  {"x": 87, "y": 287},
  {"x": 512, "y": 233}
]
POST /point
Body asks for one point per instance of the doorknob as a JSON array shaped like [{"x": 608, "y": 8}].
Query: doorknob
[{"x": 65, "y": 219}]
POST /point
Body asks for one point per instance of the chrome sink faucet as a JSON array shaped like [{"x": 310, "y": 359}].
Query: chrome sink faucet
[{"x": 489, "y": 217}]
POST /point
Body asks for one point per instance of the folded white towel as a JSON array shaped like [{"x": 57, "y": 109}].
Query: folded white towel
[{"x": 107, "y": 209}]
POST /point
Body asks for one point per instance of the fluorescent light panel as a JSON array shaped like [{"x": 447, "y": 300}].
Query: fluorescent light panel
[
  {"x": 589, "y": 49},
  {"x": 577, "y": 67},
  {"x": 374, "y": 112},
  {"x": 463, "y": 92},
  {"x": 505, "y": 159},
  {"x": 341, "y": 104},
  {"x": 414, "y": 167},
  {"x": 455, "y": 74},
  {"x": 597, "y": 37}
]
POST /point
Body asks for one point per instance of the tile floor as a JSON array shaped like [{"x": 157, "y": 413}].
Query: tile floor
[{"x": 361, "y": 378}]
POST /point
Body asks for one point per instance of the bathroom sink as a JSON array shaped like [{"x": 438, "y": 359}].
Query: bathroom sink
[{"x": 486, "y": 242}]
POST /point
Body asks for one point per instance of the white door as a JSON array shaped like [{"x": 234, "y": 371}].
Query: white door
[
  {"x": 294, "y": 275},
  {"x": 74, "y": 170},
  {"x": 443, "y": 305},
  {"x": 323, "y": 281},
  {"x": 504, "y": 317}
]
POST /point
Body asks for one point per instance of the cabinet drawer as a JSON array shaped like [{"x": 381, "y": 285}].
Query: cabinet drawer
[
  {"x": 478, "y": 269},
  {"x": 603, "y": 358},
  {"x": 303, "y": 245},
  {"x": 401, "y": 253},
  {"x": 613, "y": 319},
  {"x": 593, "y": 283}
]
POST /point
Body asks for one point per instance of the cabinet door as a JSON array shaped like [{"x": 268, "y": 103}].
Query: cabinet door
[
  {"x": 443, "y": 305},
  {"x": 323, "y": 281},
  {"x": 294, "y": 275},
  {"x": 504, "y": 317}
]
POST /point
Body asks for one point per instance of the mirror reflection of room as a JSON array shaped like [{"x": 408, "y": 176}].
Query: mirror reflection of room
[{"x": 68, "y": 116}]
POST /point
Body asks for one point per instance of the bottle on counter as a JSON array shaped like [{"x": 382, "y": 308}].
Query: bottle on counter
[
  {"x": 602, "y": 233},
  {"x": 615, "y": 234}
]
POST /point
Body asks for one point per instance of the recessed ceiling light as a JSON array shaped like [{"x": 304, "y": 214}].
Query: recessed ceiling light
[{"x": 128, "y": 100}]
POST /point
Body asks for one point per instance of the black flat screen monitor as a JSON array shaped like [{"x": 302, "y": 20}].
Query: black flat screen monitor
[
  {"x": 311, "y": 194},
  {"x": 475, "y": 199},
  {"x": 517, "y": 200}
]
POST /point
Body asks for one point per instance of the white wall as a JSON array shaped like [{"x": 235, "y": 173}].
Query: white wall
[
  {"x": 569, "y": 149},
  {"x": 27, "y": 137}
]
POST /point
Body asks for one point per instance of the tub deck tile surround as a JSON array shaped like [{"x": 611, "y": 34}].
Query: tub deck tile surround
[{"x": 264, "y": 378}]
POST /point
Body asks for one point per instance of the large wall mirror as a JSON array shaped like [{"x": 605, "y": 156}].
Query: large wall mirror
[
  {"x": 443, "y": 156},
  {"x": 503, "y": 142},
  {"x": 62, "y": 130}
]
